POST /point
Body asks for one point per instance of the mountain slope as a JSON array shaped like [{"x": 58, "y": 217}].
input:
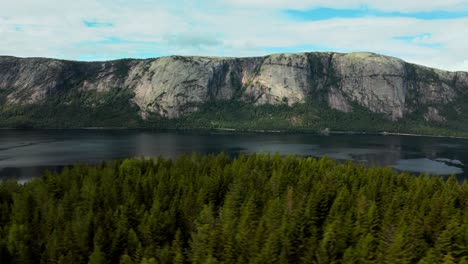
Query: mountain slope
[{"x": 281, "y": 91}]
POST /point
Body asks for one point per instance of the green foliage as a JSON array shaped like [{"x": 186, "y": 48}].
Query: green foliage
[
  {"x": 111, "y": 108},
  {"x": 97, "y": 257},
  {"x": 3, "y": 95},
  {"x": 114, "y": 108},
  {"x": 211, "y": 209},
  {"x": 121, "y": 67},
  {"x": 306, "y": 117}
]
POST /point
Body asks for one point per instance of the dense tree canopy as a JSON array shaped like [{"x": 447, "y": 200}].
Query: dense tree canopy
[
  {"x": 210, "y": 209},
  {"x": 113, "y": 108}
]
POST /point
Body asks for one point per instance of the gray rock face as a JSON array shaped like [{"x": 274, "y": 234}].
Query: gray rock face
[
  {"x": 375, "y": 82},
  {"x": 173, "y": 86},
  {"x": 280, "y": 78}
]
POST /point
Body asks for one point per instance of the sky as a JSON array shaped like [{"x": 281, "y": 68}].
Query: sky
[{"x": 430, "y": 32}]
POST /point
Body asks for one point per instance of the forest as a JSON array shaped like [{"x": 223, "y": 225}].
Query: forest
[
  {"x": 311, "y": 116},
  {"x": 114, "y": 109},
  {"x": 260, "y": 208}
]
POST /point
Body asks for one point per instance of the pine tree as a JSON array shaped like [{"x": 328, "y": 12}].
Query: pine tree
[
  {"x": 257, "y": 208},
  {"x": 97, "y": 257},
  {"x": 125, "y": 259},
  {"x": 177, "y": 248},
  {"x": 203, "y": 240}
]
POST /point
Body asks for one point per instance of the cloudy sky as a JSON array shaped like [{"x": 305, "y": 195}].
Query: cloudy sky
[{"x": 429, "y": 32}]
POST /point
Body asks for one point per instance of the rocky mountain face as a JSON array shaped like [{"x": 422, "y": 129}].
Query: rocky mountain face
[{"x": 174, "y": 86}]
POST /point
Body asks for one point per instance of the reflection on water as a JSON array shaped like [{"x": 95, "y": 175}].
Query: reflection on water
[
  {"x": 25, "y": 154},
  {"x": 425, "y": 165}
]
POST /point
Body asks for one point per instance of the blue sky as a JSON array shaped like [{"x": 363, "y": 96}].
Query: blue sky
[
  {"x": 431, "y": 32},
  {"x": 318, "y": 14}
]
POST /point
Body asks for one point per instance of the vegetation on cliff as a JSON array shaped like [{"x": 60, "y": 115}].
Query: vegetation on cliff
[
  {"x": 74, "y": 110},
  {"x": 210, "y": 209},
  {"x": 306, "y": 117},
  {"x": 115, "y": 109},
  {"x": 362, "y": 92}
]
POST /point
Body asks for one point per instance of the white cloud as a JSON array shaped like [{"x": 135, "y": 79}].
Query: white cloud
[
  {"x": 395, "y": 5},
  {"x": 224, "y": 28}
]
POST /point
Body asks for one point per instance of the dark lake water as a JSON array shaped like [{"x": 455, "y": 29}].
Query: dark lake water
[{"x": 25, "y": 154}]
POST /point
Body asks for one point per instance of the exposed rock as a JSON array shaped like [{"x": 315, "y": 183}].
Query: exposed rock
[
  {"x": 375, "y": 82},
  {"x": 337, "y": 101},
  {"x": 325, "y": 131},
  {"x": 173, "y": 86},
  {"x": 280, "y": 78},
  {"x": 433, "y": 115},
  {"x": 296, "y": 121}
]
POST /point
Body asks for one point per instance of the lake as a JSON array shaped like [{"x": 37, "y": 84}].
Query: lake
[{"x": 25, "y": 154}]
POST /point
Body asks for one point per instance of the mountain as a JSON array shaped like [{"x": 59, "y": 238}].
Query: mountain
[{"x": 304, "y": 91}]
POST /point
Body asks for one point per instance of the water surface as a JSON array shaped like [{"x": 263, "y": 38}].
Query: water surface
[{"x": 27, "y": 153}]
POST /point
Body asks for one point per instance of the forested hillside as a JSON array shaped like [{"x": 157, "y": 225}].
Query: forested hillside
[
  {"x": 252, "y": 209},
  {"x": 311, "y": 91}
]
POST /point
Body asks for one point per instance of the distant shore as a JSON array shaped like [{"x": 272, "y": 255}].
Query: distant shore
[
  {"x": 226, "y": 129},
  {"x": 384, "y": 133}
]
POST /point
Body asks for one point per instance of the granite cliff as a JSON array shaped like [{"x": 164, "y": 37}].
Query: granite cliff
[{"x": 173, "y": 87}]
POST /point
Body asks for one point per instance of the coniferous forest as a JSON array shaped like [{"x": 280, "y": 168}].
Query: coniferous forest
[{"x": 250, "y": 209}]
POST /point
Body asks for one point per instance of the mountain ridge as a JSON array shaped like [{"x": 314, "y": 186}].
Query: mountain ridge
[
  {"x": 175, "y": 87},
  {"x": 228, "y": 57}
]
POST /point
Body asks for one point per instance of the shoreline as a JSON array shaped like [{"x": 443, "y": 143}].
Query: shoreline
[
  {"x": 335, "y": 132},
  {"x": 225, "y": 129}
]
